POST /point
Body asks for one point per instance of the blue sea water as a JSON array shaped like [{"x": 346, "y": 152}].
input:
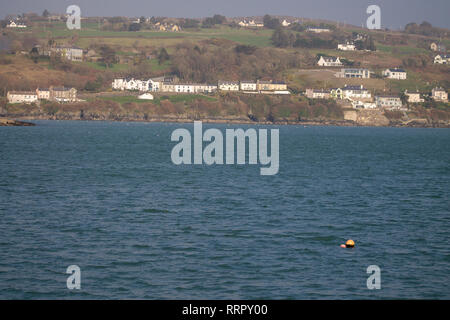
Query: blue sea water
[{"x": 105, "y": 196}]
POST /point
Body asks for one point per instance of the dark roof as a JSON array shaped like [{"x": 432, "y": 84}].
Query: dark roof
[{"x": 396, "y": 70}]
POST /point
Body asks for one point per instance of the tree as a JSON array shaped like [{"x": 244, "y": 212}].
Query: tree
[
  {"x": 108, "y": 55},
  {"x": 163, "y": 56},
  {"x": 280, "y": 38},
  {"x": 271, "y": 23},
  {"x": 45, "y": 14},
  {"x": 134, "y": 27},
  {"x": 34, "y": 54},
  {"x": 93, "y": 85},
  {"x": 218, "y": 19}
]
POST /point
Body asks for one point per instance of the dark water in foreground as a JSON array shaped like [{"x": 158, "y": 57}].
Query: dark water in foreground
[{"x": 106, "y": 197}]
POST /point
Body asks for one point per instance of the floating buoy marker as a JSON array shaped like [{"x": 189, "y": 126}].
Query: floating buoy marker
[{"x": 348, "y": 244}]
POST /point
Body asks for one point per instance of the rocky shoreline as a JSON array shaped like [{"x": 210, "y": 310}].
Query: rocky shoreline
[
  {"x": 4, "y": 122},
  {"x": 418, "y": 123}
]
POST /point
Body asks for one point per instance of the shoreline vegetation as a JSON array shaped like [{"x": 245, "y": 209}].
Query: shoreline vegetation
[{"x": 226, "y": 108}]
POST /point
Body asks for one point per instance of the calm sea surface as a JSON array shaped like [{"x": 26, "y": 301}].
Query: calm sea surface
[{"x": 106, "y": 197}]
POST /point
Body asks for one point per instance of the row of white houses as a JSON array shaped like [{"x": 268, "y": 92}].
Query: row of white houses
[
  {"x": 362, "y": 98},
  {"x": 164, "y": 84}
]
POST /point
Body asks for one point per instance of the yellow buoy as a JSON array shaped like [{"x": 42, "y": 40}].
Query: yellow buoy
[{"x": 350, "y": 244}]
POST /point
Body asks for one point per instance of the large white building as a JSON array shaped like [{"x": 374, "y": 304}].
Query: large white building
[
  {"x": 395, "y": 73},
  {"x": 348, "y": 46},
  {"x": 356, "y": 92},
  {"x": 439, "y": 94},
  {"x": 13, "y": 24},
  {"x": 22, "y": 97},
  {"x": 354, "y": 73},
  {"x": 248, "y": 86},
  {"x": 329, "y": 62},
  {"x": 442, "y": 59},
  {"x": 388, "y": 102},
  {"x": 228, "y": 85},
  {"x": 318, "y": 30}
]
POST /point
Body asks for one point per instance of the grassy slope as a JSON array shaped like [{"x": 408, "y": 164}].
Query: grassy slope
[{"x": 387, "y": 56}]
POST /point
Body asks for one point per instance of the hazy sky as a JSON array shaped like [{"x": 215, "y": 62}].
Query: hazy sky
[{"x": 395, "y": 13}]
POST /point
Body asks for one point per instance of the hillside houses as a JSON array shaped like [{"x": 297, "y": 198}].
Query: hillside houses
[
  {"x": 57, "y": 94},
  {"x": 70, "y": 53},
  {"x": 414, "y": 97},
  {"x": 318, "y": 30},
  {"x": 13, "y": 24},
  {"x": 271, "y": 85},
  {"x": 165, "y": 84},
  {"x": 389, "y": 102},
  {"x": 442, "y": 59},
  {"x": 439, "y": 94},
  {"x": 22, "y": 97},
  {"x": 250, "y": 24},
  {"x": 438, "y": 47},
  {"x": 248, "y": 85},
  {"x": 356, "y": 92},
  {"x": 167, "y": 27},
  {"x": 228, "y": 85},
  {"x": 329, "y": 62},
  {"x": 317, "y": 93},
  {"x": 395, "y": 73},
  {"x": 348, "y": 46},
  {"x": 354, "y": 73}
]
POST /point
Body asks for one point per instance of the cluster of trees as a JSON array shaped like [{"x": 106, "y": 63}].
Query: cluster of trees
[
  {"x": 366, "y": 44},
  {"x": 271, "y": 23},
  {"x": 419, "y": 61},
  {"x": 212, "y": 21},
  {"x": 189, "y": 23},
  {"x": 284, "y": 39},
  {"x": 211, "y": 62},
  {"x": 425, "y": 28}
]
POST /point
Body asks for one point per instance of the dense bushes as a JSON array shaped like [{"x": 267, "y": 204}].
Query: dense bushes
[{"x": 220, "y": 61}]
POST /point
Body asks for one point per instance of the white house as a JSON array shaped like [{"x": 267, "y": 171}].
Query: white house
[
  {"x": 154, "y": 85},
  {"x": 395, "y": 73},
  {"x": 70, "y": 53},
  {"x": 439, "y": 94},
  {"x": 43, "y": 94},
  {"x": 228, "y": 85},
  {"x": 119, "y": 84},
  {"x": 205, "y": 88},
  {"x": 13, "y": 24},
  {"x": 184, "y": 88},
  {"x": 347, "y": 46},
  {"x": 363, "y": 105},
  {"x": 329, "y": 62},
  {"x": 248, "y": 85},
  {"x": 251, "y": 23},
  {"x": 388, "y": 102},
  {"x": 22, "y": 97},
  {"x": 317, "y": 30},
  {"x": 354, "y": 73},
  {"x": 356, "y": 92},
  {"x": 442, "y": 59},
  {"x": 413, "y": 97},
  {"x": 285, "y": 23},
  {"x": 317, "y": 94}
]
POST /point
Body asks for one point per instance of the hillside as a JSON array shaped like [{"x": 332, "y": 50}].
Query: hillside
[{"x": 207, "y": 54}]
